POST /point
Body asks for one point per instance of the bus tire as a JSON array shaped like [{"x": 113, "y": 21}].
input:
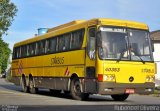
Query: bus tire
[
  {"x": 76, "y": 90},
  {"x": 24, "y": 86},
  {"x": 32, "y": 88},
  {"x": 120, "y": 97}
]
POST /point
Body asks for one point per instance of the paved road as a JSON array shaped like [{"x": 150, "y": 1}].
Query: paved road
[{"x": 12, "y": 97}]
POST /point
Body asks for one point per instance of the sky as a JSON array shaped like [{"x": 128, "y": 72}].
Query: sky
[{"x": 34, "y": 14}]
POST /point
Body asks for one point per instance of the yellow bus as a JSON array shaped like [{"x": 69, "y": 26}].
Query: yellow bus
[{"x": 83, "y": 57}]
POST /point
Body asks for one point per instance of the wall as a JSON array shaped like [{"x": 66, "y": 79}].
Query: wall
[{"x": 156, "y": 55}]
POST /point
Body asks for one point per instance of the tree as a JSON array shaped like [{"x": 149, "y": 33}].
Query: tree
[
  {"x": 4, "y": 55},
  {"x": 7, "y": 12}
]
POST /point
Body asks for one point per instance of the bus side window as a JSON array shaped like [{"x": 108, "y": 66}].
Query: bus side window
[
  {"x": 13, "y": 54},
  {"x": 73, "y": 41},
  {"x": 61, "y": 44},
  {"x": 18, "y": 52},
  {"x": 53, "y": 45},
  {"x": 77, "y": 39},
  {"x": 91, "y": 43},
  {"x": 67, "y": 41},
  {"x": 80, "y": 37},
  {"x": 38, "y": 48},
  {"x": 27, "y": 50},
  {"x": 47, "y": 44},
  {"x": 41, "y": 47},
  {"x": 23, "y": 51},
  {"x": 32, "y": 49}
]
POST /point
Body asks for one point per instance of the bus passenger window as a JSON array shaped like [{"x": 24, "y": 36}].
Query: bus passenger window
[
  {"x": 13, "y": 54},
  {"x": 38, "y": 48},
  {"x": 67, "y": 41},
  {"x": 24, "y": 51},
  {"x": 53, "y": 44},
  {"x": 32, "y": 49},
  {"x": 61, "y": 44},
  {"x": 42, "y": 47},
  {"x": 73, "y": 41},
  {"x": 47, "y": 49},
  {"x": 77, "y": 39},
  {"x": 18, "y": 55}
]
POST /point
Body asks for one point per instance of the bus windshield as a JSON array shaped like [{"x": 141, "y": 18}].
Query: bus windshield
[{"x": 124, "y": 44}]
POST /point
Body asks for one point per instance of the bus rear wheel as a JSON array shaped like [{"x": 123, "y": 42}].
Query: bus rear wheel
[
  {"x": 24, "y": 86},
  {"x": 76, "y": 90},
  {"x": 120, "y": 97},
  {"x": 32, "y": 89}
]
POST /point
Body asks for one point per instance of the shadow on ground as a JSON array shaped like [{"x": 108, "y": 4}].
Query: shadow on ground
[{"x": 46, "y": 92}]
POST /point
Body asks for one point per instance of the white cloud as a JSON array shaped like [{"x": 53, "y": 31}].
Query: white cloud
[{"x": 17, "y": 36}]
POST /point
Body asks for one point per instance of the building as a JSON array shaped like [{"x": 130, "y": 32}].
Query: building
[{"x": 155, "y": 36}]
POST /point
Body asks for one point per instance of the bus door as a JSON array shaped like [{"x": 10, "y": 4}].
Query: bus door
[{"x": 90, "y": 76}]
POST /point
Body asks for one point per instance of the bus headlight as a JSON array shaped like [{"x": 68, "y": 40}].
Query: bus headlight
[
  {"x": 109, "y": 77},
  {"x": 147, "y": 78},
  {"x": 150, "y": 78},
  {"x": 112, "y": 77},
  {"x": 105, "y": 77}
]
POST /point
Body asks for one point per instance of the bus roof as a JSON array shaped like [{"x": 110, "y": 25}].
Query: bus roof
[{"x": 78, "y": 24}]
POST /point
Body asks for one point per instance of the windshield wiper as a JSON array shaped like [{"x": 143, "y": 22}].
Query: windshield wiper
[
  {"x": 120, "y": 57},
  {"x": 135, "y": 55},
  {"x": 140, "y": 59}
]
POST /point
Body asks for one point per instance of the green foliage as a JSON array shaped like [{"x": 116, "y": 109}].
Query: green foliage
[
  {"x": 4, "y": 55},
  {"x": 7, "y": 12}
]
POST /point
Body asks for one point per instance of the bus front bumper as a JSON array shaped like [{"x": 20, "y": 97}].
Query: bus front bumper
[{"x": 120, "y": 88}]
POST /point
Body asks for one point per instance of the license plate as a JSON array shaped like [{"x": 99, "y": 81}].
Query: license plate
[{"x": 129, "y": 91}]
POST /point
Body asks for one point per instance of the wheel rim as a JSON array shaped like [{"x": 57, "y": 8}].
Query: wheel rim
[
  {"x": 77, "y": 88},
  {"x": 31, "y": 84},
  {"x": 23, "y": 84}
]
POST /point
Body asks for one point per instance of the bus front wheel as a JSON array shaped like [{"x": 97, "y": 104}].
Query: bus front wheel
[
  {"x": 24, "y": 86},
  {"x": 120, "y": 97},
  {"x": 76, "y": 90}
]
